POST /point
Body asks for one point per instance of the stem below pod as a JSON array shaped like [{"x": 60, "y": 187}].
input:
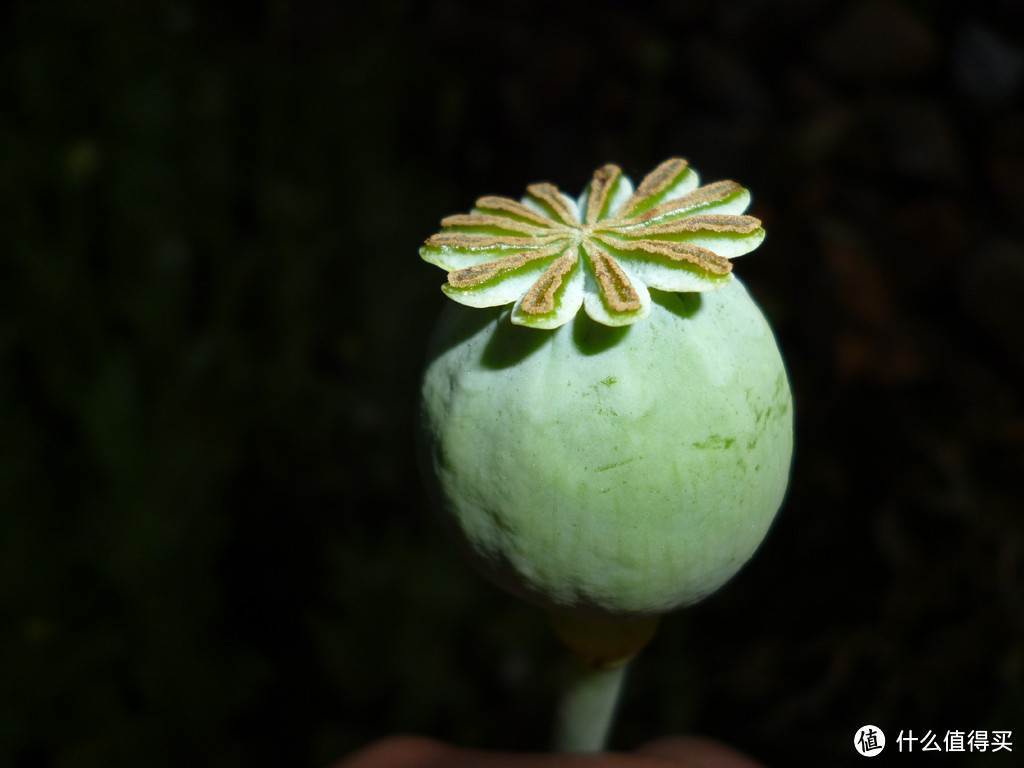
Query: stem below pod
[
  {"x": 601, "y": 652},
  {"x": 587, "y": 708}
]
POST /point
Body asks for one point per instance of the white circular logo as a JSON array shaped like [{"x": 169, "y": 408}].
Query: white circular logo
[{"x": 869, "y": 740}]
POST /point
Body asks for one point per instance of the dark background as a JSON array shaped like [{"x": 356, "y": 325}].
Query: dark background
[{"x": 214, "y": 545}]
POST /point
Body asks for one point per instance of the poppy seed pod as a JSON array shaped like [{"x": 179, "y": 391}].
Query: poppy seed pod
[
  {"x": 620, "y": 462},
  {"x": 610, "y": 472}
]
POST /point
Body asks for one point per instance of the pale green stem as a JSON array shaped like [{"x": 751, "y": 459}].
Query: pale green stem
[{"x": 587, "y": 707}]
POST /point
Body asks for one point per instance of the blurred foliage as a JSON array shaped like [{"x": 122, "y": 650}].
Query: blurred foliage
[{"x": 213, "y": 543}]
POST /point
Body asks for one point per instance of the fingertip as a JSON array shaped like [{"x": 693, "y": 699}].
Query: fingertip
[
  {"x": 697, "y": 752},
  {"x": 399, "y": 751}
]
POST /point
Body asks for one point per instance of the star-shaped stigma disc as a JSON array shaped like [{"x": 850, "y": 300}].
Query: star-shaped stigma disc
[{"x": 551, "y": 254}]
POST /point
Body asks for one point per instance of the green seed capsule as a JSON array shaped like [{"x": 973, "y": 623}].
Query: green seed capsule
[{"x": 609, "y": 472}]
